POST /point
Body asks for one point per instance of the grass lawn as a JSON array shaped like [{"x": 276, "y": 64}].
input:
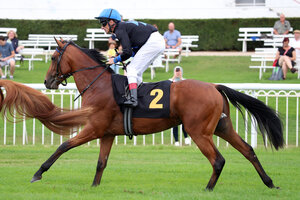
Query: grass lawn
[
  {"x": 151, "y": 172},
  {"x": 216, "y": 69}
]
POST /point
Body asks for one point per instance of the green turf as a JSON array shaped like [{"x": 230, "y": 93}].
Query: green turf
[
  {"x": 217, "y": 69},
  {"x": 151, "y": 172}
]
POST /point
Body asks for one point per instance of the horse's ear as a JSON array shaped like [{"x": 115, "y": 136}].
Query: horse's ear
[
  {"x": 61, "y": 39},
  {"x": 59, "y": 43}
]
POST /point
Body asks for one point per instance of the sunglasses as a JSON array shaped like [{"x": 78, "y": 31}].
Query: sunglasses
[{"x": 103, "y": 22}]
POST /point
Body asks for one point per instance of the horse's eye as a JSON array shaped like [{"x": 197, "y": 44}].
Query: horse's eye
[{"x": 53, "y": 58}]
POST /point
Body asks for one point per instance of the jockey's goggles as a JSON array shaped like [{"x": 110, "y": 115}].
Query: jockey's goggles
[{"x": 103, "y": 22}]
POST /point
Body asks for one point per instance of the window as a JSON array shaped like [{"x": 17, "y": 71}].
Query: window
[{"x": 250, "y": 2}]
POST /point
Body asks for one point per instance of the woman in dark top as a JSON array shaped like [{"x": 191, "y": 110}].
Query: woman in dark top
[
  {"x": 286, "y": 56},
  {"x": 12, "y": 38}
]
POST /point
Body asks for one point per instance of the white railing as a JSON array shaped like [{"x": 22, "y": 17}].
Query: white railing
[{"x": 284, "y": 98}]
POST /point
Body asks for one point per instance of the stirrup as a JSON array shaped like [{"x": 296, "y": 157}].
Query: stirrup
[
  {"x": 132, "y": 103},
  {"x": 132, "y": 99}
]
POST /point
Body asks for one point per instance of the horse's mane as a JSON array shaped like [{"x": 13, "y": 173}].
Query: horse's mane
[{"x": 95, "y": 55}]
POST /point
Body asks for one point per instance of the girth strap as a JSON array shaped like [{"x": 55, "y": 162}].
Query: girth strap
[
  {"x": 127, "y": 122},
  {"x": 128, "y": 116}
]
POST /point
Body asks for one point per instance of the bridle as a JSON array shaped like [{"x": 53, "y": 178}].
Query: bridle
[{"x": 60, "y": 77}]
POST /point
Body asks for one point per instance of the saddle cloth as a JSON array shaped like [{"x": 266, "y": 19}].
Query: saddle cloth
[{"x": 153, "y": 98}]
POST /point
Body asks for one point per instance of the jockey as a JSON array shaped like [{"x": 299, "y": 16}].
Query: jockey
[{"x": 138, "y": 39}]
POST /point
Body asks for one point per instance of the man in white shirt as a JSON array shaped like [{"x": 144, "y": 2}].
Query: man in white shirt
[{"x": 295, "y": 42}]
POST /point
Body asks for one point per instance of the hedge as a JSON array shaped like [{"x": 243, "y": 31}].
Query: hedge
[{"x": 214, "y": 34}]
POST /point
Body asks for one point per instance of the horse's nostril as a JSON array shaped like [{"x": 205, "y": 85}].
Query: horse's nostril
[{"x": 45, "y": 82}]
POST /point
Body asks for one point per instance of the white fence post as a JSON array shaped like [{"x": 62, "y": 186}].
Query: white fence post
[
  {"x": 297, "y": 121},
  {"x": 162, "y": 137},
  {"x": 180, "y": 134},
  {"x": 4, "y": 130},
  {"x": 25, "y": 139},
  {"x": 33, "y": 131},
  {"x": 15, "y": 127},
  {"x": 253, "y": 127},
  {"x": 287, "y": 122},
  {"x": 253, "y": 133}
]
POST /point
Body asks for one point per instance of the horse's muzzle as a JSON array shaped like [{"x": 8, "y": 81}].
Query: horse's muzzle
[{"x": 51, "y": 83}]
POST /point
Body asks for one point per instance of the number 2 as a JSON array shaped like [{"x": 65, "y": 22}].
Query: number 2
[{"x": 159, "y": 93}]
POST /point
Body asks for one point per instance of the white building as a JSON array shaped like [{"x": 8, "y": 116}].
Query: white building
[{"x": 151, "y": 9}]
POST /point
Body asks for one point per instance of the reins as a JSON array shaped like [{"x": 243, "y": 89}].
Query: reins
[
  {"x": 60, "y": 75},
  {"x": 89, "y": 85}
]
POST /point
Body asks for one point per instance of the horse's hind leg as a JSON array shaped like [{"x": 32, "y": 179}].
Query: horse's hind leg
[
  {"x": 207, "y": 147},
  {"x": 83, "y": 137},
  {"x": 226, "y": 131},
  {"x": 105, "y": 147}
]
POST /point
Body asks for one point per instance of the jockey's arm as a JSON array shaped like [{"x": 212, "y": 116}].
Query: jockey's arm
[{"x": 127, "y": 50}]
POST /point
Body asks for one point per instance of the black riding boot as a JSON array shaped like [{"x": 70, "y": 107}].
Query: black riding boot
[{"x": 133, "y": 100}]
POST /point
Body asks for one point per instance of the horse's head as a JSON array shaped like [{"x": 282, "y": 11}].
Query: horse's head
[
  {"x": 68, "y": 59},
  {"x": 60, "y": 66}
]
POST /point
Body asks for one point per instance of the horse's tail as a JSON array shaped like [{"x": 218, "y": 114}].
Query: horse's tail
[
  {"x": 34, "y": 104},
  {"x": 268, "y": 121}
]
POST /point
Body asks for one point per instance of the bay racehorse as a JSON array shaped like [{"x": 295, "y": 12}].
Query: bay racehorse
[{"x": 197, "y": 105}]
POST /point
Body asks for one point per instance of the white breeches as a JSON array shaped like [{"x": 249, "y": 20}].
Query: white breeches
[{"x": 154, "y": 47}]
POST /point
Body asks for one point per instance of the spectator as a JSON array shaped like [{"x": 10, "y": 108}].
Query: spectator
[
  {"x": 296, "y": 44},
  {"x": 178, "y": 77},
  {"x": 111, "y": 53},
  {"x": 282, "y": 26},
  {"x": 8, "y": 54},
  {"x": 286, "y": 56},
  {"x": 172, "y": 38},
  {"x": 12, "y": 38}
]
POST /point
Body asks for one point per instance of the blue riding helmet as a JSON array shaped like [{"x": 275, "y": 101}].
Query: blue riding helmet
[{"x": 109, "y": 13}]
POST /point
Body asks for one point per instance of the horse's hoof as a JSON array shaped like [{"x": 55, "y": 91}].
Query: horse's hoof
[
  {"x": 95, "y": 185},
  {"x": 274, "y": 187},
  {"x": 209, "y": 189},
  {"x": 35, "y": 179}
]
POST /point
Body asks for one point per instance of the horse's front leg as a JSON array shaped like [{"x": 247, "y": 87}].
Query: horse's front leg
[
  {"x": 105, "y": 147},
  {"x": 84, "y": 136}
]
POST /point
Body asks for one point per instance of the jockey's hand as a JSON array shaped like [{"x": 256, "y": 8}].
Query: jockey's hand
[{"x": 110, "y": 61}]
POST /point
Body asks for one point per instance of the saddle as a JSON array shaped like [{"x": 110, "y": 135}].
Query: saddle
[{"x": 153, "y": 100}]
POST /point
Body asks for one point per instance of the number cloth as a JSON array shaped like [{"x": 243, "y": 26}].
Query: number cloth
[{"x": 154, "y": 98}]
